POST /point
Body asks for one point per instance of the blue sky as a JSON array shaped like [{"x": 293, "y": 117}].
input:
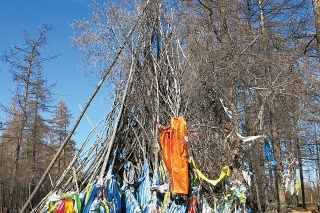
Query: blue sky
[{"x": 72, "y": 85}]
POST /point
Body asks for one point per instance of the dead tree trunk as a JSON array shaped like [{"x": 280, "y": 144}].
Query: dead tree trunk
[{"x": 316, "y": 11}]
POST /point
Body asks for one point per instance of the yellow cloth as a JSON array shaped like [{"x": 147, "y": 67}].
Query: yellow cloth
[
  {"x": 105, "y": 205},
  {"x": 89, "y": 189},
  {"x": 225, "y": 171},
  {"x": 52, "y": 207},
  {"x": 165, "y": 200},
  {"x": 297, "y": 185}
]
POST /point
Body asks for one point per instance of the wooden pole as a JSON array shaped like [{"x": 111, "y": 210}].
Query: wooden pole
[{"x": 105, "y": 74}]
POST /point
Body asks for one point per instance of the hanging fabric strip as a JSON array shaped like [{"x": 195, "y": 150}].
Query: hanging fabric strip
[
  {"x": 69, "y": 208},
  {"x": 225, "y": 171},
  {"x": 246, "y": 173},
  {"x": 132, "y": 205},
  {"x": 91, "y": 195},
  {"x": 144, "y": 193},
  {"x": 77, "y": 203},
  {"x": 244, "y": 138},
  {"x": 165, "y": 203},
  {"x": 249, "y": 138},
  {"x": 113, "y": 194},
  {"x": 297, "y": 186},
  {"x": 88, "y": 190},
  {"x": 226, "y": 110},
  {"x": 174, "y": 153},
  {"x": 268, "y": 153},
  {"x": 60, "y": 206},
  {"x": 192, "y": 205}
]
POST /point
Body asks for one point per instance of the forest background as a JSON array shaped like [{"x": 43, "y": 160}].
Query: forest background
[{"x": 196, "y": 58}]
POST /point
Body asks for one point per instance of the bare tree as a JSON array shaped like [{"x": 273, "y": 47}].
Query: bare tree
[
  {"x": 60, "y": 122},
  {"x": 26, "y": 64}
]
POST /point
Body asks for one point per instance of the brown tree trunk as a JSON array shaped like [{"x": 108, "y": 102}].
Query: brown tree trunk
[
  {"x": 300, "y": 172},
  {"x": 14, "y": 172},
  {"x": 20, "y": 138},
  {"x": 277, "y": 154},
  {"x": 316, "y": 10}
]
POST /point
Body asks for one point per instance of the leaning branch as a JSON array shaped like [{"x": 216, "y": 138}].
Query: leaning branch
[{"x": 106, "y": 72}]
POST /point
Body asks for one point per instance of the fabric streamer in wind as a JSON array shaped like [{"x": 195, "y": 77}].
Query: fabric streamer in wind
[
  {"x": 65, "y": 203},
  {"x": 153, "y": 205},
  {"x": 77, "y": 203},
  {"x": 113, "y": 195},
  {"x": 68, "y": 208},
  {"x": 297, "y": 186},
  {"x": 246, "y": 173},
  {"x": 174, "y": 154},
  {"x": 178, "y": 208},
  {"x": 267, "y": 149},
  {"x": 249, "y": 138},
  {"x": 144, "y": 193},
  {"x": 132, "y": 205},
  {"x": 60, "y": 206},
  {"x": 91, "y": 193},
  {"x": 225, "y": 171}
]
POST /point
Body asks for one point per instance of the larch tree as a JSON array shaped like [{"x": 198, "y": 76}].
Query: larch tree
[
  {"x": 8, "y": 136},
  {"x": 32, "y": 96},
  {"x": 59, "y": 122}
]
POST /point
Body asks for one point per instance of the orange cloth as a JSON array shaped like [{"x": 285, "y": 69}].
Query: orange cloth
[
  {"x": 69, "y": 205},
  {"x": 174, "y": 154}
]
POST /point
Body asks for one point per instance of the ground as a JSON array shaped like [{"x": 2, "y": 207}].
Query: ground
[{"x": 311, "y": 208}]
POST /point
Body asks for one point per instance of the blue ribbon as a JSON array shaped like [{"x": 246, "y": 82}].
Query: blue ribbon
[{"x": 268, "y": 153}]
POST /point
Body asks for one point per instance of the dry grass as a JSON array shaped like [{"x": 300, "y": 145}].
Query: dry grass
[{"x": 311, "y": 208}]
